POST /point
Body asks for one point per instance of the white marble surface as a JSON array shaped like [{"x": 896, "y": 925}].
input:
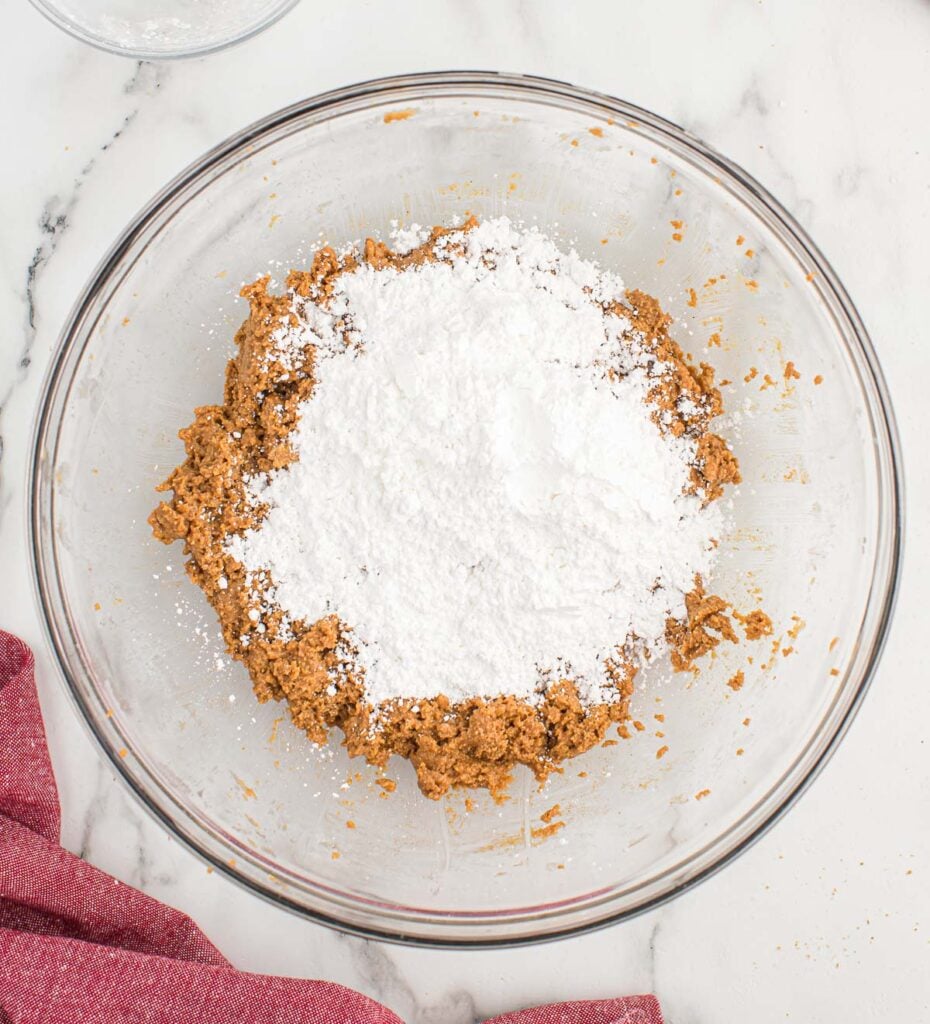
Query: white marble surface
[{"x": 827, "y": 918}]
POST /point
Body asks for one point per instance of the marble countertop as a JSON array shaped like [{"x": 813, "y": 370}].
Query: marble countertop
[{"x": 828, "y": 917}]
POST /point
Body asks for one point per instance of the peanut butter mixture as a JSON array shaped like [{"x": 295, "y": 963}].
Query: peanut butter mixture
[{"x": 476, "y": 743}]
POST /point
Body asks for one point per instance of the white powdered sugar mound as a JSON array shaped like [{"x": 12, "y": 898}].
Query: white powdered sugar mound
[{"x": 473, "y": 496}]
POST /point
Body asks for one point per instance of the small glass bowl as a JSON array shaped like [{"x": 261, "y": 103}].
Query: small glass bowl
[
  {"x": 816, "y": 524},
  {"x": 163, "y": 31}
]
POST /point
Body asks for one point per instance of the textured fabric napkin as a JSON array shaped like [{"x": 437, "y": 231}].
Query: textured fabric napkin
[{"x": 79, "y": 947}]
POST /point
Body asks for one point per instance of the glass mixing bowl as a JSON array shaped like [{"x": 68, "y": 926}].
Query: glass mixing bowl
[
  {"x": 164, "y": 30},
  {"x": 815, "y": 537}
]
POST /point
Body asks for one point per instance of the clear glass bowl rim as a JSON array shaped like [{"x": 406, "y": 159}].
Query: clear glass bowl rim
[
  {"x": 460, "y": 930},
  {"x": 66, "y": 24}
]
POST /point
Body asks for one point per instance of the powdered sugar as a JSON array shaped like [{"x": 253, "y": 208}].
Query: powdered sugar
[
  {"x": 474, "y": 496},
  {"x": 404, "y": 240}
]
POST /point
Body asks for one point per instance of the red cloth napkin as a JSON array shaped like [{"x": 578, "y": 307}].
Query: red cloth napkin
[{"x": 79, "y": 947}]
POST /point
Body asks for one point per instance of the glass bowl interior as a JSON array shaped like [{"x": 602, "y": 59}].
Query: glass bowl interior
[
  {"x": 163, "y": 30},
  {"x": 814, "y": 538}
]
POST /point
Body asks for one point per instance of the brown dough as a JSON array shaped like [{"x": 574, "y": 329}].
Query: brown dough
[{"x": 473, "y": 744}]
